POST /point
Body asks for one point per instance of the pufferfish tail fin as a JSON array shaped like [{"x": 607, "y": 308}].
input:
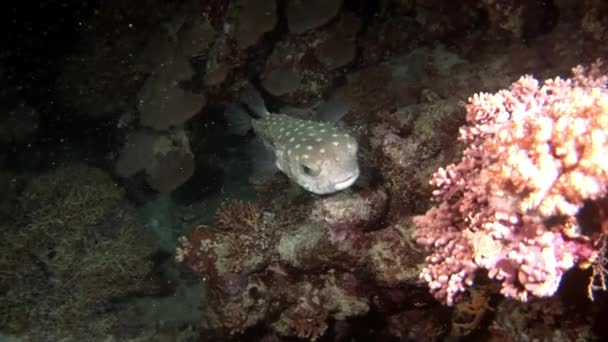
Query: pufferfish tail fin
[{"x": 252, "y": 98}]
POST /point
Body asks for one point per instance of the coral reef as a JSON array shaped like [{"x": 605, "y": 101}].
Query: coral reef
[
  {"x": 77, "y": 251},
  {"x": 468, "y": 314},
  {"x": 534, "y": 155},
  {"x": 520, "y": 19},
  {"x": 292, "y": 277},
  {"x": 520, "y": 209},
  {"x": 546, "y": 318},
  {"x": 308, "y": 266}
]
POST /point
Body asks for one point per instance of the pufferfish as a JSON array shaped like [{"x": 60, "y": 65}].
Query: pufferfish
[{"x": 318, "y": 156}]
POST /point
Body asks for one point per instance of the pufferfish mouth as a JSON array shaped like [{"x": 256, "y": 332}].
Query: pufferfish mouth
[{"x": 348, "y": 181}]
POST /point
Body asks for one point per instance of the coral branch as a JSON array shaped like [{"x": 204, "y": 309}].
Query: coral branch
[{"x": 534, "y": 154}]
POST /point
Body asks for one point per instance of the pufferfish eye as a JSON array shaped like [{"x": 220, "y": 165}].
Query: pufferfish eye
[{"x": 310, "y": 171}]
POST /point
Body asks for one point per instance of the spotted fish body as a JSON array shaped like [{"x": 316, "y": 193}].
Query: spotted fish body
[{"x": 318, "y": 156}]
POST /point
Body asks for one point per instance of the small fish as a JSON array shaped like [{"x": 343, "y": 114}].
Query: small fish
[{"x": 318, "y": 156}]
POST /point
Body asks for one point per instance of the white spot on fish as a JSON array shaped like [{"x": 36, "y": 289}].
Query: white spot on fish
[
  {"x": 322, "y": 150},
  {"x": 305, "y": 156},
  {"x": 318, "y": 140},
  {"x": 335, "y": 143},
  {"x": 309, "y": 148},
  {"x": 298, "y": 146}
]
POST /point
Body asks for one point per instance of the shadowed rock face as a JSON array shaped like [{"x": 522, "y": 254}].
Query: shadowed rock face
[
  {"x": 164, "y": 157},
  {"x": 255, "y": 18},
  {"x": 306, "y": 15}
]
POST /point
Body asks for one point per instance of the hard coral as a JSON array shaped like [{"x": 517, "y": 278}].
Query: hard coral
[
  {"x": 286, "y": 273},
  {"x": 534, "y": 155},
  {"x": 239, "y": 215},
  {"x": 407, "y": 148},
  {"x": 245, "y": 304},
  {"x": 312, "y": 301},
  {"x": 351, "y": 213},
  {"x": 311, "y": 247},
  {"x": 80, "y": 251},
  {"x": 540, "y": 319},
  {"x": 519, "y": 19},
  {"x": 235, "y": 244},
  {"x": 392, "y": 260},
  {"x": 418, "y": 324},
  {"x": 469, "y": 313}
]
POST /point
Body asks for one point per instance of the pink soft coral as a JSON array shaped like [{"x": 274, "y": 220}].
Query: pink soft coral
[{"x": 533, "y": 154}]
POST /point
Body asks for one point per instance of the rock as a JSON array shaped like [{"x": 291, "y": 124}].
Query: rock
[
  {"x": 254, "y": 18},
  {"x": 303, "y": 16},
  {"x": 165, "y": 157},
  {"x": 162, "y": 102}
]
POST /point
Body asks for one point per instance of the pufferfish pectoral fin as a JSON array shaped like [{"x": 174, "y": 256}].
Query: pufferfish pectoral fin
[
  {"x": 239, "y": 121},
  {"x": 263, "y": 162},
  {"x": 252, "y": 98},
  {"x": 333, "y": 109}
]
